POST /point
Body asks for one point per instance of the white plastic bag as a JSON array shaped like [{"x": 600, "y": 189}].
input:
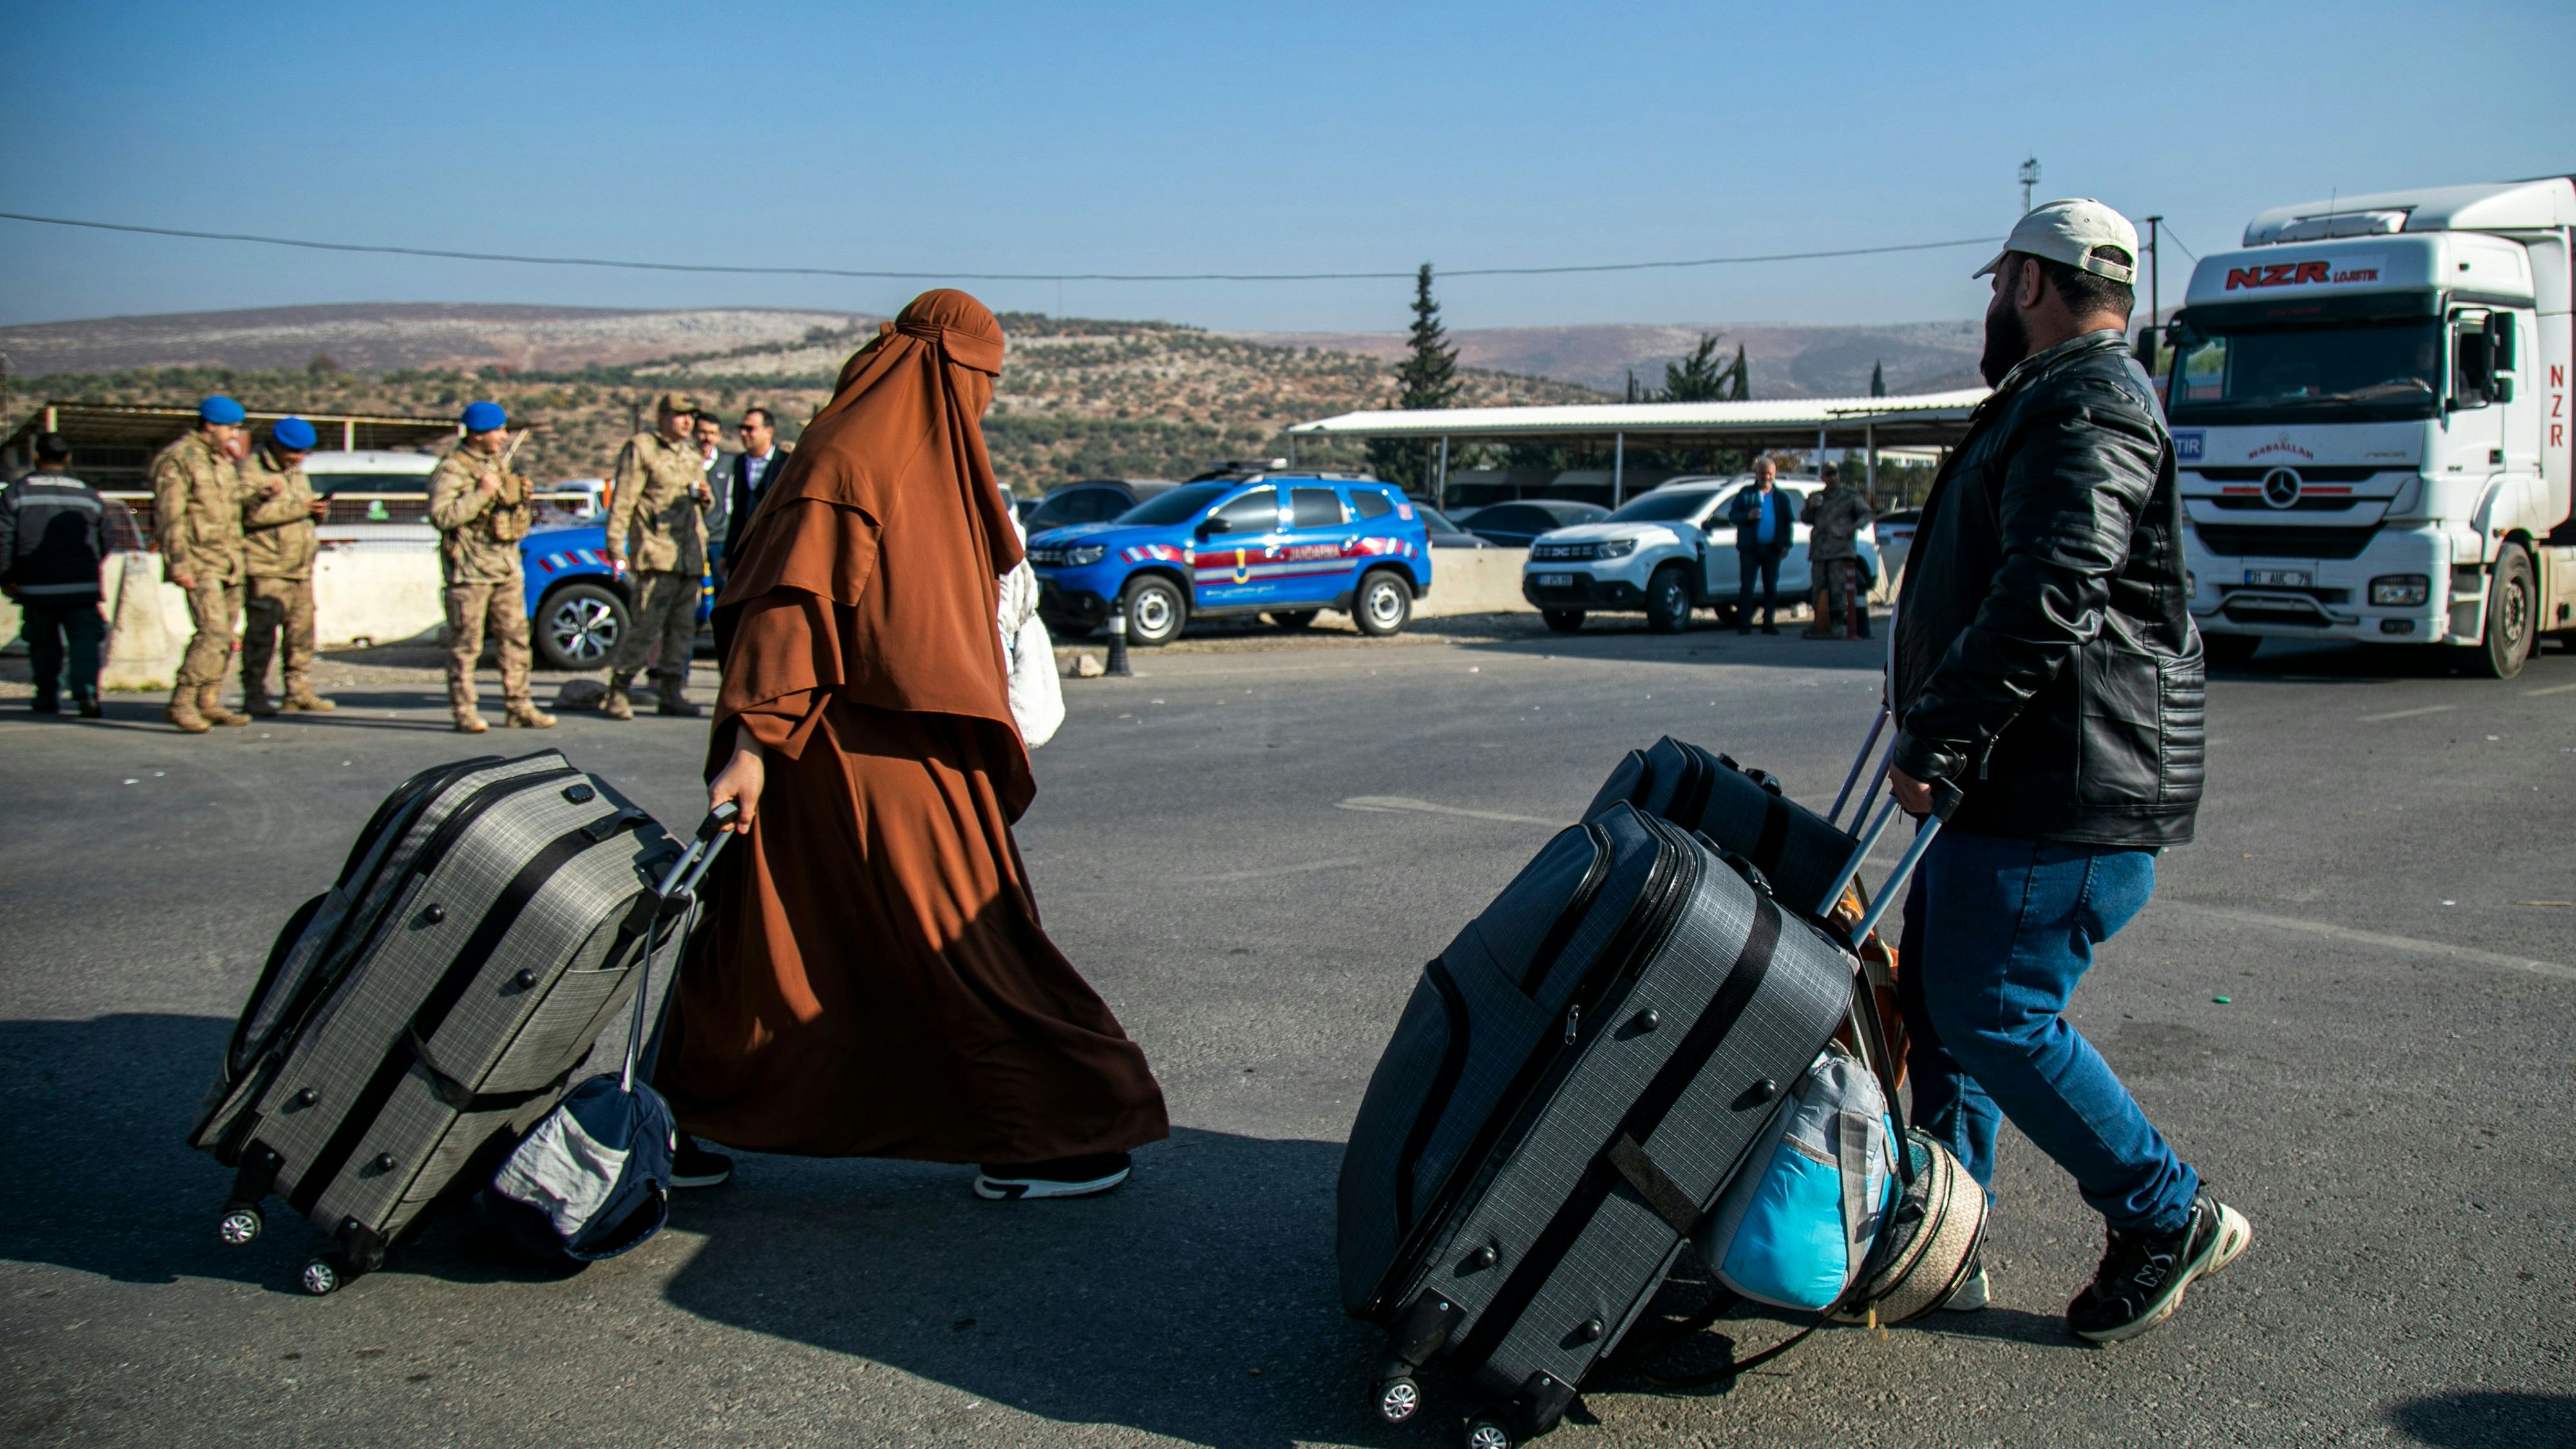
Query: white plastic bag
[{"x": 1037, "y": 695}]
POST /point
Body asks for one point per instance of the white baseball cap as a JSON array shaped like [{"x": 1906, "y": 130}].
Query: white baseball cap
[{"x": 2068, "y": 231}]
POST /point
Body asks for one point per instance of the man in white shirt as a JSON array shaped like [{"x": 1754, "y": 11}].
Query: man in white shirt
[{"x": 754, "y": 467}]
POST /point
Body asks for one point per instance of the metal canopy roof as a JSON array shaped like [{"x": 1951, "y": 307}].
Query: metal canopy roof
[
  {"x": 113, "y": 443},
  {"x": 1925, "y": 419}
]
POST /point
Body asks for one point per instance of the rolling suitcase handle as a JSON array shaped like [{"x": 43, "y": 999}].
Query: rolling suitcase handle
[
  {"x": 678, "y": 891},
  {"x": 1877, "y": 727},
  {"x": 1945, "y": 799}
]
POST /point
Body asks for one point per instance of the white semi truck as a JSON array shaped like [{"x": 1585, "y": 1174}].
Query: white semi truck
[{"x": 2371, "y": 422}]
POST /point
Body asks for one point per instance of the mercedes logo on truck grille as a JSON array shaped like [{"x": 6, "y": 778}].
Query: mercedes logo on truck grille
[{"x": 2281, "y": 487}]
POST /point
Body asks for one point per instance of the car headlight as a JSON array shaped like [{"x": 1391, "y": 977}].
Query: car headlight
[
  {"x": 1614, "y": 548},
  {"x": 1083, "y": 555},
  {"x": 2400, "y": 590}
]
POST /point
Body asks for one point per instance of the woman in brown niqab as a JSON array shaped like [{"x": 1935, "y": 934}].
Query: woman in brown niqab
[{"x": 872, "y": 980}]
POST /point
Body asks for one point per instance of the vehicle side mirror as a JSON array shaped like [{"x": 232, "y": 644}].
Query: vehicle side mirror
[
  {"x": 2500, "y": 388},
  {"x": 1210, "y": 527}
]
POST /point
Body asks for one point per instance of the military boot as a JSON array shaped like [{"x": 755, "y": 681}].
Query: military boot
[
  {"x": 674, "y": 699},
  {"x": 524, "y": 714},
  {"x": 614, "y": 703},
  {"x": 470, "y": 722},
  {"x": 300, "y": 695},
  {"x": 256, "y": 703},
  {"x": 182, "y": 711},
  {"x": 210, "y": 704}
]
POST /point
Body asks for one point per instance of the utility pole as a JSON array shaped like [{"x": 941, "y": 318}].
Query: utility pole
[
  {"x": 2029, "y": 179},
  {"x": 2155, "y": 271}
]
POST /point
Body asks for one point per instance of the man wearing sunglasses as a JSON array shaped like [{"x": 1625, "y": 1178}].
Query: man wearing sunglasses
[{"x": 754, "y": 468}]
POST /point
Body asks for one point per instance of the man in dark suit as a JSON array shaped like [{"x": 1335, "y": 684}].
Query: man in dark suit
[
  {"x": 1763, "y": 517},
  {"x": 708, "y": 430},
  {"x": 754, "y": 468}
]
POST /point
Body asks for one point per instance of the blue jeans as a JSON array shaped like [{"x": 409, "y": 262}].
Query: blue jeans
[{"x": 1997, "y": 933}]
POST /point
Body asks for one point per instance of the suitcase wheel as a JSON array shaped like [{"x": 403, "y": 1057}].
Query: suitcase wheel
[
  {"x": 1398, "y": 1398},
  {"x": 1488, "y": 1432},
  {"x": 321, "y": 1276},
  {"x": 239, "y": 1225}
]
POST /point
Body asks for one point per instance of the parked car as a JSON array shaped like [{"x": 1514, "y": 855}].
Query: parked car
[
  {"x": 1664, "y": 554},
  {"x": 1513, "y": 525},
  {"x": 1093, "y": 500},
  {"x": 1286, "y": 544},
  {"x": 1445, "y": 531},
  {"x": 578, "y": 608}
]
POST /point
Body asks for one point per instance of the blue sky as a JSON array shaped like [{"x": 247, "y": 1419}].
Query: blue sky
[{"x": 1270, "y": 137}]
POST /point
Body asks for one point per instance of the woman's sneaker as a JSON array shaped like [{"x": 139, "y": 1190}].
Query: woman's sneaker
[
  {"x": 1063, "y": 1177},
  {"x": 2143, "y": 1275},
  {"x": 694, "y": 1166}
]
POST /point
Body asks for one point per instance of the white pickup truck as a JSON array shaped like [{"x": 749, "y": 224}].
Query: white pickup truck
[{"x": 1665, "y": 553}]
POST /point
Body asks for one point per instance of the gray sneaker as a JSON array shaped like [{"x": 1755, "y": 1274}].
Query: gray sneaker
[{"x": 1972, "y": 1296}]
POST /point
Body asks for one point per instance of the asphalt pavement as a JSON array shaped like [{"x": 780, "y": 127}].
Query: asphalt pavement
[{"x": 2352, "y": 1004}]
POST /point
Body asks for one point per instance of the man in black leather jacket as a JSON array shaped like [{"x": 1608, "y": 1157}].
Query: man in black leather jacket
[{"x": 2047, "y": 680}]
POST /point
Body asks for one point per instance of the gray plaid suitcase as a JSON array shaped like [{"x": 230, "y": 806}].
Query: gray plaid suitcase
[
  {"x": 1576, "y": 1079},
  {"x": 435, "y": 1001}
]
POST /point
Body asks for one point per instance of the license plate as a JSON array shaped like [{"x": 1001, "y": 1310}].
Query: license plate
[
  {"x": 2278, "y": 578},
  {"x": 1556, "y": 581}
]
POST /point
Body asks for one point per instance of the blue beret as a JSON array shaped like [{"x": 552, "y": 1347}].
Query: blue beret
[
  {"x": 293, "y": 434},
  {"x": 220, "y": 410},
  {"x": 483, "y": 417}
]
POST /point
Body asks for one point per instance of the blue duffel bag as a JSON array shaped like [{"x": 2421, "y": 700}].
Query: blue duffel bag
[
  {"x": 1796, "y": 1228},
  {"x": 593, "y": 1178}
]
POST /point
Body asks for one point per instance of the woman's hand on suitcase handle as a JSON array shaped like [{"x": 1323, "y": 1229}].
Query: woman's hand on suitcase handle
[{"x": 739, "y": 782}]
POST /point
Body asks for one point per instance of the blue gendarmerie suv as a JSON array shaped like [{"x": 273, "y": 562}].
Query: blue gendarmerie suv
[{"x": 1282, "y": 543}]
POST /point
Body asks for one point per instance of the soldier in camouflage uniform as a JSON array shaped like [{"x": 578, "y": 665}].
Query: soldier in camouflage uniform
[
  {"x": 657, "y": 522},
  {"x": 482, "y": 510},
  {"x": 278, "y": 545},
  {"x": 197, "y": 524},
  {"x": 1834, "y": 516}
]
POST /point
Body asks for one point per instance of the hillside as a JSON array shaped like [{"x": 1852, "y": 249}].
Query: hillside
[
  {"x": 1786, "y": 361},
  {"x": 1078, "y": 398},
  {"x": 387, "y": 336}
]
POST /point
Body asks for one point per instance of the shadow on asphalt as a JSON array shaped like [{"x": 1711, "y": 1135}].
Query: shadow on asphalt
[
  {"x": 106, "y": 1105},
  {"x": 1198, "y": 1302},
  {"x": 2486, "y": 1420}
]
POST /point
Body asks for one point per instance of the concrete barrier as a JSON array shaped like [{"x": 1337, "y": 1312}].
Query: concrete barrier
[
  {"x": 382, "y": 595},
  {"x": 1474, "y": 581}
]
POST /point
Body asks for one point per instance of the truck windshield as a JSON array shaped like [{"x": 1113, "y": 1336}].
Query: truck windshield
[
  {"x": 2372, "y": 372},
  {"x": 1178, "y": 506}
]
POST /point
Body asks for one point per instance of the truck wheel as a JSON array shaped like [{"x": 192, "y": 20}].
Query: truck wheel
[
  {"x": 1383, "y": 604},
  {"x": 1292, "y": 620},
  {"x": 1156, "y": 611},
  {"x": 2230, "y": 651},
  {"x": 1563, "y": 621},
  {"x": 578, "y": 626},
  {"x": 1668, "y": 600},
  {"x": 2512, "y": 607}
]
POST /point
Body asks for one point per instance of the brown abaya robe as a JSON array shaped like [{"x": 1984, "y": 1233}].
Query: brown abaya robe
[{"x": 872, "y": 979}]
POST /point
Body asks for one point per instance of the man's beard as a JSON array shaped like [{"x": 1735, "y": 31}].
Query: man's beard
[{"x": 2007, "y": 341}]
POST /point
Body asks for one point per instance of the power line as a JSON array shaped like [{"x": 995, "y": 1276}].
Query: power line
[
  {"x": 634, "y": 266},
  {"x": 2178, "y": 241}
]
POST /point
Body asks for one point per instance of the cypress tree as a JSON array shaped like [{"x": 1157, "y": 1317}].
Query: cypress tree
[
  {"x": 1743, "y": 390},
  {"x": 1427, "y": 378},
  {"x": 1878, "y": 379}
]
